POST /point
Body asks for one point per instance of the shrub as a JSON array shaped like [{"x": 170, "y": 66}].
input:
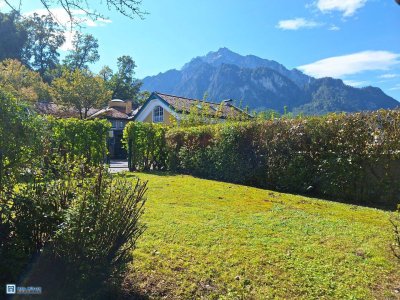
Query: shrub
[
  {"x": 29, "y": 141},
  {"x": 145, "y": 143},
  {"x": 53, "y": 188},
  {"x": 99, "y": 231},
  {"x": 29, "y": 216},
  {"x": 353, "y": 158},
  {"x": 19, "y": 138},
  {"x": 84, "y": 225},
  {"x": 72, "y": 139}
]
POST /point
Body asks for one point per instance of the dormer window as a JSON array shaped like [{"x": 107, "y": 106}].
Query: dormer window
[{"x": 158, "y": 114}]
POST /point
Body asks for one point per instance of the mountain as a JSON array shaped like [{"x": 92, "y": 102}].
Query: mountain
[{"x": 264, "y": 84}]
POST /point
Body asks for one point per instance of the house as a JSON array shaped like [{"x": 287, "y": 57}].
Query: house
[
  {"x": 166, "y": 109},
  {"x": 119, "y": 113},
  {"x": 158, "y": 108}
]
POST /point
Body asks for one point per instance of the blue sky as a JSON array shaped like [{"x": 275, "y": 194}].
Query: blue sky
[{"x": 355, "y": 40}]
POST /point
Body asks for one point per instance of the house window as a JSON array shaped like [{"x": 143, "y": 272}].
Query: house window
[
  {"x": 158, "y": 114},
  {"x": 121, "y": 124},
  {"x": 113, "y": 123}
]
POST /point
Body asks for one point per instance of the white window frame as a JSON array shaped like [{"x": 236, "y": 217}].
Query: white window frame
[{"x": 158, "y": 114}]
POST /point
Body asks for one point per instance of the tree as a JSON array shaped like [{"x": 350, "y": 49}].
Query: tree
[
  {"x": 45, "y": 36},
  {"x": 84, "y": 52},
  {"x": 122, "y": 84},
  {"x": 22, "y": 83},
  {"x": 142, "y": 97},
  {"x": 13, "y": 36},
  {"x": 81, "y": 90},
  {"x": 106, "y": 73}
]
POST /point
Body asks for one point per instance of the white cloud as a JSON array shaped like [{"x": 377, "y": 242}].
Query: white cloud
[
  {"x": 295, "y": 24},
  {"x": 347, "y": 7},
  {"x": 334, "y": 28},
  {"x": 339, "y": 66},
  {"x": 62, "y": 17},
  {"x": 395, "y": 88},
  {"x": 389, "y": 76},
  {"x": 356, "y": 83}
]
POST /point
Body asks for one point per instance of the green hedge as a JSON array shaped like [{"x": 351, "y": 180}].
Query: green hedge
[
  {"x": 74, "y": 138},
  {"x": 28, "y": 140},
  {"x": 353, "y": 158},
  {"x": 146, "y": 147}
]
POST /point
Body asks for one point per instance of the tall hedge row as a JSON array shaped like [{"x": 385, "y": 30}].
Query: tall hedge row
[
  {"x": 146, "y": 146},
  {"x": 28, "y": 140},
  {"x": 353, "y": 158},
  {"x": 73, "y": 138}
]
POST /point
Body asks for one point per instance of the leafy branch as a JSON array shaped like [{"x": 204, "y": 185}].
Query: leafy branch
[{"x": 128, "y": 8}]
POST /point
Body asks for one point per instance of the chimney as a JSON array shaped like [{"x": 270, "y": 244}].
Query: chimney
[
  {"x": 128, "y": 107},
  {"x": 227, "y": 101}
]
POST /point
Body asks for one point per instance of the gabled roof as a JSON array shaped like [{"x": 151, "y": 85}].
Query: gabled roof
[{"x": 179, "y": 104}]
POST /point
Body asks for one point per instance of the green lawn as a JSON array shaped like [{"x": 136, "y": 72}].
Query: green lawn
[{"x": 214, "y": 240}]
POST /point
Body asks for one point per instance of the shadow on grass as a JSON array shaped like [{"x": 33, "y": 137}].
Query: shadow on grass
[
  {"x": 313, "y": 193},
  {"x": 51, "y": 275}
]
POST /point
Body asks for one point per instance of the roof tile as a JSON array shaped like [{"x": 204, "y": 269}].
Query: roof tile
[{"x": 184, "y": 105}]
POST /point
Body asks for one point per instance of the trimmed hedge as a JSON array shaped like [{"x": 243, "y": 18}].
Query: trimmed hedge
[
  {"x": 28, "y": 140},
  {"x": 146, "y": 146},
  {"x": 73, "y": 138},
  {"x": 353, "y": 158}
]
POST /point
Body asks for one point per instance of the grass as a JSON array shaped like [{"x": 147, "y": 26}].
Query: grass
[{"x": 214, "y": 240}]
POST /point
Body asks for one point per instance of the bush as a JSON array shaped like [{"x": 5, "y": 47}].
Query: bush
[
  {"x": 84, "y": 225},
  {"x": 72, "y": 139},
  {"x": 19, "y": 138},
  {"x": 29, "y": 216},
  {"x": 58, "y": 206},
  {"x": 99, "y": 231},
  {"x": 145, "y": 143},
  {"x": 353, "y": 158},
  {"x": 29, "y": 141}
]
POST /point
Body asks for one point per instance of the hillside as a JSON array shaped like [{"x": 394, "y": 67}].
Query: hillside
[
  {"x": 264, "y": 84},
  {"x": 213, "y": 240}
]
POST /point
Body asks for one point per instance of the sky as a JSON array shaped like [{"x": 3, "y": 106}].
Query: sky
[{"x": 354, "y": 40}]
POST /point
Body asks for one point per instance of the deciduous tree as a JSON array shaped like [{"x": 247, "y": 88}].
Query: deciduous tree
[
  {"x": 123, "y": 84},
  {"x": 81, "y": 90},
  {"x": 22, "y": 83},
  {"x": 84, "y": 52},
  {"x": 13, "y": 36},
  {"x": 45, "y": 37}
]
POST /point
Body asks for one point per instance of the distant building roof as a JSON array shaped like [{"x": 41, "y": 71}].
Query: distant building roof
[
  {"x": 183, "y": 105},
  {"x": 53, "y": 109}
]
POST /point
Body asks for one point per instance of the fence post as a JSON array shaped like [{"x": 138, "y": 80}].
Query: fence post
[{"x": 130, "y": 165}]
